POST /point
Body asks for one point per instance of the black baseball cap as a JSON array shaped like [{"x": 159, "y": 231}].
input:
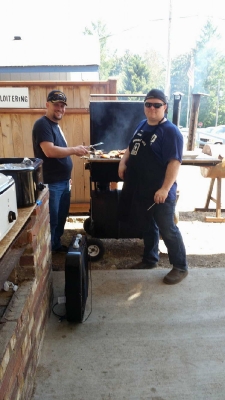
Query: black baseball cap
[
  {"x": 156, "y": 94},
  {"x": 55, "y": 96}
]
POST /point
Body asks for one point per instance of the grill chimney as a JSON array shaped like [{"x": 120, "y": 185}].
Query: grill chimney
[{"x": 17, "y": 38}]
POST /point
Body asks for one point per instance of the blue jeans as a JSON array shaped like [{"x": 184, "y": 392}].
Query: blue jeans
[
  {"x": 59, "y": 204},
  {"x": 161, "y": 222}
]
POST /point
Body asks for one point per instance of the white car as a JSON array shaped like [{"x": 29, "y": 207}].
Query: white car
[
  {"x": 201, "y": 137},
  {"x": 212, "y": 135}
]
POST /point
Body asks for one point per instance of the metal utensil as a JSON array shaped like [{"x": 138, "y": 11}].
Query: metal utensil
[
  {"x": 94, "y": 145},
  {"x": 150, "y": 207}
]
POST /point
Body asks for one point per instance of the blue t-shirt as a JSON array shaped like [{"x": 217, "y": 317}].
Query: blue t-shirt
[
  {"x": 54, "y": 169},
  {"x": 166, "y": 143}
]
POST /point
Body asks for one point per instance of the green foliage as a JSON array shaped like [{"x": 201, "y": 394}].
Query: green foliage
[
  {"x": 215, "y": 87},
  {"x": 209, "y": 76},
  {"x": 157, "y": 69},
  {"x": 205, "y": 56},
  {"x": 179, "y": 83},
  {"x": 208, "y": 71},
  {"x": 138, "y": 74},
  {"x": 110, "y": 64},
  {"x": 135, "y": 74}
]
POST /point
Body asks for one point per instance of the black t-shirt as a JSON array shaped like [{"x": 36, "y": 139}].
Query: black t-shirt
[{"x": 54, "y": 169}]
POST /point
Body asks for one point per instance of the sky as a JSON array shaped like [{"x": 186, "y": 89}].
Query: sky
[{"x": 135, "y": 26}]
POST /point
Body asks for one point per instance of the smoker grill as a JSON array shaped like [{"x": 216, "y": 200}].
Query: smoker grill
[{"x": 113, "y": 123}]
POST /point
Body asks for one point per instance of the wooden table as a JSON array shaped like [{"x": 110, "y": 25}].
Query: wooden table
[
  {"x": 209, "y": 161},
  {"x": 201, "y": 161}
]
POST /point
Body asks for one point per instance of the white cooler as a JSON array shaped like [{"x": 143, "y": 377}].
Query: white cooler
[{"x": 8, "y": 204}]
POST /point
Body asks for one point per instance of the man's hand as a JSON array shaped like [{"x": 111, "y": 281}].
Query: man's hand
[
  {"x": 160, "y": 196},
  {"x": 170, "y": 178},
  {"x": 80, "y": 150}
]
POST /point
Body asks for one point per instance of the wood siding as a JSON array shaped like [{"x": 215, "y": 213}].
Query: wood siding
[{"x": 16, "y": 126}]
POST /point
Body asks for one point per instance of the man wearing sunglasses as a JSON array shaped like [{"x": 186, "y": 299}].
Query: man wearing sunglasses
[
  {"x": 149, "y": 169},
  {"x": 50, "y": 145}
]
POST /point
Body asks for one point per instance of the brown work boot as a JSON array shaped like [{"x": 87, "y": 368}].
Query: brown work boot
[
  {"x": 143, "y": 265},
  {"x": 174, "y": 276}
]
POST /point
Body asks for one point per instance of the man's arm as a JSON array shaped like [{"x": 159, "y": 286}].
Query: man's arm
[
  {"x": 52, "y": 151},
  {"x": 170, "y": 177},
  {"x": 123, "y": 164}
]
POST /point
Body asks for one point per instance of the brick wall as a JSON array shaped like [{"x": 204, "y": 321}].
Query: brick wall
[{"x": 22, "y": 327}]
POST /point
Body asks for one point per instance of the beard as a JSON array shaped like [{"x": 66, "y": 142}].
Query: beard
[{"x": 57, "y": 117}]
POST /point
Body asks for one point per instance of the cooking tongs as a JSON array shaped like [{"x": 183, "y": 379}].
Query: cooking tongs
[{"x": 92, "y": 146}]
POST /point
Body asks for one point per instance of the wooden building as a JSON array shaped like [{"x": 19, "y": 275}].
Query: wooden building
[{"x": 16, "y": 125}]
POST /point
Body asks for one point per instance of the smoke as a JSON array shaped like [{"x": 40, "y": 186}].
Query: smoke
[{"x": 114, "y": 122}]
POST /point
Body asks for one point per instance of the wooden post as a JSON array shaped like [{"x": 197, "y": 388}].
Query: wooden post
[
  {"x": 218, "y": 198},
  {"x": 209, "y": 196},
  {"x": 194, "y": 120}
]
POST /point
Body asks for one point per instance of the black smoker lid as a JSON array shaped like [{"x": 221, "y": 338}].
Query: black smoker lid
[{"x": 114, "y": 122}]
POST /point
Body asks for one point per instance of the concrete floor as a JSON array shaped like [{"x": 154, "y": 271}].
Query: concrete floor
[{"x": 143, "y": 340}]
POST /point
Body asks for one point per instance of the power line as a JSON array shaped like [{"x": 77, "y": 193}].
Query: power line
[{"x": 159, "y": 20}]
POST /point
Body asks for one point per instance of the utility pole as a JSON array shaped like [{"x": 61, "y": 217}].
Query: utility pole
[
  {"x": 218, "y": 102},
  {"x": 190, "y": 75},
  {"x": 168, "y": 68}
]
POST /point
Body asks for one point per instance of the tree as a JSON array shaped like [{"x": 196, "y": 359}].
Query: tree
[
  {"x": 157, "y": 69},
  {"x": 215, "y": 86},
  {"x": 135, "y": 74},
  {"x": 207, "y": 70},
  {"x": 205, "y": 55},
  {"x": 138, "y": 74},
  {"x": 179, "y": 83},
  {"x": 110, "y": 63}
]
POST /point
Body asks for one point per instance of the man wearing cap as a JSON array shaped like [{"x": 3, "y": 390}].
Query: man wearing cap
[
  {"x": 50, "y": 145},
  {"x": 149, "y": 169}
]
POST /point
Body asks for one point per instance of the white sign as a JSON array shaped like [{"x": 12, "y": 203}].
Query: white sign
[{"x": 14, "y": 97}]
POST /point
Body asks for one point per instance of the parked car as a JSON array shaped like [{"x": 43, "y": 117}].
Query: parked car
[
  {"x": 211, "y": 135},
  {"x": 200, "y": 138},
  {"x": 203, "y": 136}
]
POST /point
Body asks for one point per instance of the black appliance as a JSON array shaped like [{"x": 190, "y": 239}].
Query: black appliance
[
  {"x": 103, "y": 222},
  {"x": 76, "y": 279},
  {"x": 113, "y": 123},
  {"x": 28, "y": 176}
]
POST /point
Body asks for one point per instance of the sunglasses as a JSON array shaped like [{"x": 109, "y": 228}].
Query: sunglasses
[{"x": 155, "y": 105}]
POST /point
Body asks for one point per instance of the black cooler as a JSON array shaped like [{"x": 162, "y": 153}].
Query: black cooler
[{"x": 28, "y": 176}]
